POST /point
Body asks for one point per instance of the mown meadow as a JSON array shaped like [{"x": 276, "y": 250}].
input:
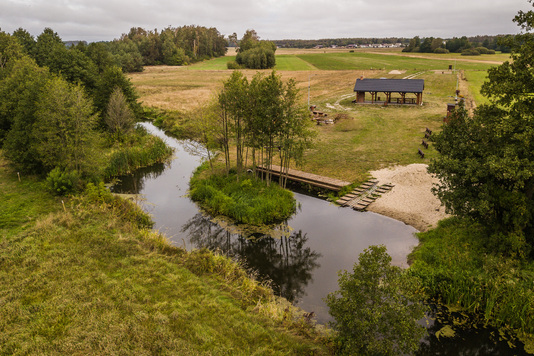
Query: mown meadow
[{"x": 367, "y": 137}]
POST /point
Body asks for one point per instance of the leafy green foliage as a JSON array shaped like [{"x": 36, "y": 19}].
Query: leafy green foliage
[
  {"x": 457, "y": 267},
  {"x": 486, "y": 167},
  {"x": 255, "y": 54},
  {"x": 19, "y": 93},
  {"x": 248, "y": 200},
  {"x": 64, "y": 128},
  {"x": 63, "y": 182},
  {"x": 377, "y": 307},
  {"x": 119, "y": 117}
]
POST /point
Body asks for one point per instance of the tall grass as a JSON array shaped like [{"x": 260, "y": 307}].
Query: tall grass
[
  {"x": 248, "y": 200},
  {"x": 88, "y": 280},
  {"x": 455, "y": 266},
  {"x": 126, "y": 160}
]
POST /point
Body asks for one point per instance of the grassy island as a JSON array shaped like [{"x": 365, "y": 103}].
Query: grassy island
[{"x": 246, "y": 200}]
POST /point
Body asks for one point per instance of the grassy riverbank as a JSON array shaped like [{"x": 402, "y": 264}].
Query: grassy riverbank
[
  {"x": 85, "y": 277},
  {"x": 456, "y": 263}
]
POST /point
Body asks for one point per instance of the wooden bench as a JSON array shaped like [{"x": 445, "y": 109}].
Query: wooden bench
[{"x": 425, "y": 144}]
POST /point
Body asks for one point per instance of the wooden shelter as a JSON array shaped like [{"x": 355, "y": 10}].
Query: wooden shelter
[{"x": 402, "y": 87}]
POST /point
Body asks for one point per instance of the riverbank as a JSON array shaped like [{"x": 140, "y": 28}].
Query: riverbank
[
  {"x": 411, "y": 200},
  {"x": 79, "y": 275}
]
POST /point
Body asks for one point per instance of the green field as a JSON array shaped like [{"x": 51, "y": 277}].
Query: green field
[
  {"x": 369, "y": 137},
  {"x": 360, "y": 61},
  {"x": 475, "y": 80}
]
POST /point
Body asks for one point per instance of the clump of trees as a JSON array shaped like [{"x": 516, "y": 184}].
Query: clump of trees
[
  {"x": 253, "y": 53},
  {"x": 59, "y": 106},
  {"x": 264, "y": 120},
  {"x": 172, "y": 46},
  {"x": 486, "y": 166}
]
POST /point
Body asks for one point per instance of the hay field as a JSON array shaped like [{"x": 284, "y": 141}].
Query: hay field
[{"x": 370, "y": 137}]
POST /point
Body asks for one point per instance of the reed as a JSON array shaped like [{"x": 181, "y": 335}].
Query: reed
[
  {"x": 127, "y": 159},
  {"x": 455, "y": 266}
]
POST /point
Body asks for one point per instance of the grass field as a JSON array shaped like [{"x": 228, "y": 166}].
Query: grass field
[{"x": 370, "y": 137}]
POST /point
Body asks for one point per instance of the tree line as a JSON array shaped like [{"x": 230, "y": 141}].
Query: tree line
[{"x": 467, "y": 46}]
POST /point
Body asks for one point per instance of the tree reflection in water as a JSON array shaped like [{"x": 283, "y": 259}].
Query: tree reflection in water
[
  {"x": 286, "y": 261},
  {"x": 135, "y": 182}
]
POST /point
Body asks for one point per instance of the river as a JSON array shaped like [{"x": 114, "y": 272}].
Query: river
[{"x": 303, "y": 257}]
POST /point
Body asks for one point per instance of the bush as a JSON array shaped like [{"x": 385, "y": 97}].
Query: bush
[
  {"x": 377, "y": 307},
  {"x": 233, "y": 65},
  {"x": 470, "y": 52},
  {"x": 484, "y": 50},
  {"x": 441, "y": 50},
  {"x": 62, "y": 182}
]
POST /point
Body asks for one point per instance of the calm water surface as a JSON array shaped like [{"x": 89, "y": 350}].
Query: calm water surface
[{"x": 302, "y": 262}]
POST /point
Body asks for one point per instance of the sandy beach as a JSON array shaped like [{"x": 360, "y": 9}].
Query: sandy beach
[{"x": 411, "y": 199}]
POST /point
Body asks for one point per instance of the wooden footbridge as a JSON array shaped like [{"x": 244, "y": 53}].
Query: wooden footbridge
[
  {"x": 308, "y": 178},
  {"x": 358, "y": 199}
]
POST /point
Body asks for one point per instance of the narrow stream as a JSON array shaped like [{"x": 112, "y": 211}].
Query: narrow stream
[{"x": 302, "y": 262}]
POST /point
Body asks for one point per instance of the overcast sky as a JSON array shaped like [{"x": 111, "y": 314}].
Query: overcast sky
[{"x": 97, "y": 20}]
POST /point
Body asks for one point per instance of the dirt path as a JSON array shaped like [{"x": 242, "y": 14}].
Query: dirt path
[{"x": 463, "y": 86}]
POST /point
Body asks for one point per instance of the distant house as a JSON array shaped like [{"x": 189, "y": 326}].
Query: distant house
[{"x": 409, "y": 91}]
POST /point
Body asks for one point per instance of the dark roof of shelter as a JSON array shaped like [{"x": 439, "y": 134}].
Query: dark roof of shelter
[{"x": 390, "y": 85}]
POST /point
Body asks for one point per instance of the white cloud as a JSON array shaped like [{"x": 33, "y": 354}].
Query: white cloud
[{"x": 272, "y": 19}]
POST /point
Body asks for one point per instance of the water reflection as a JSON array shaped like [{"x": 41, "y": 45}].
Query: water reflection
[
  {"x": 287, "y": 261},
  {"x": 135, "y": 182},
  {"x": 469, "y": 339}
]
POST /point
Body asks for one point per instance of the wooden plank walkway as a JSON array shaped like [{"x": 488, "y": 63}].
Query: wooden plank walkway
[{"x": 309, "y": 178}]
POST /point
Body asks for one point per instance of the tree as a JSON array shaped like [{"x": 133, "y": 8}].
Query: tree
[
  {"x": 26, "y": 40},
  {"x": 377, "y": 307},
  {"x": 255, "y": 54},
  {"x": 18, "y": 96},
  {"x": 10, "y": 51},
  {"x": 119, "y": 117},
  {"x": 111, "y": 78},
  {"x": 426, "y": 45},
  {"x": 47, "y": 41},
  {"x": 64, "y": 127},
  {"x": 486, "y": 166}
]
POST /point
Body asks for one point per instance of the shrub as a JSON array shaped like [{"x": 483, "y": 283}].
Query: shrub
[
  {"x": 441, "y": 50},
  {"x": 248, "y": 201},
  {"x": 233, "y": 65},
  {"x": 470, "y": 52},
  {"x": 62, "y": 182}
]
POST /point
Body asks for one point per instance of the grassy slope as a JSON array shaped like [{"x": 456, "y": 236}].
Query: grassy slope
[{"x": 85, "y": 281}]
